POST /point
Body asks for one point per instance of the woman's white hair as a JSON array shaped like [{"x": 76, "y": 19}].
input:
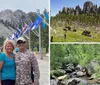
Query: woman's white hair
[{"x": 6, "y": 42}]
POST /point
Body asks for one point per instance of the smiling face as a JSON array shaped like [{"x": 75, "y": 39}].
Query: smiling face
[
  {"x": 9, "y": 47},
  {"x": 21, "y": 45}
]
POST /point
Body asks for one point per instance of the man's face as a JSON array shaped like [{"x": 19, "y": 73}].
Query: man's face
[{"x": 21, "y": 44}]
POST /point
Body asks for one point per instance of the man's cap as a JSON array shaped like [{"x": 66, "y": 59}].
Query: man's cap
[{"x": 21, "y": 38}]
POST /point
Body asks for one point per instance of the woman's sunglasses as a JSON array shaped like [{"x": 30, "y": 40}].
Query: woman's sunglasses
[{"x": 21, "y": 42}]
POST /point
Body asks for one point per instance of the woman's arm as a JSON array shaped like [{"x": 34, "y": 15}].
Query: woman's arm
[
  {"x": 1, "y": 64},
  {"x": 35, "y": 69},
  {"x": 2, "y": 58}
]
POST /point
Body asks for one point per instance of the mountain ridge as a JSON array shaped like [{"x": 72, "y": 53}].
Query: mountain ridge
[
  {"x": 88, "y": 8},
  {"x": 10, "y": 20}
]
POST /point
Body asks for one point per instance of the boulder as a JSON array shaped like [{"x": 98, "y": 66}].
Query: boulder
[
  {"x": 78, "y": 67},
  {"x": 98, "y": 81},
  {"x": 92, "y": 67},
  {"x": 59, "y": 72},
  {"x": 61, "y": 83},
  {"x": 77, "y": 81},
  {"x": 70, "y": 68},
  {"x": 63, "y": 77},
  {"x": 80, "y": 74},
  {"x": 73, "y": 82},
  {"x": 73, "y": 75},
  {"x": 93, "y": 76},
  {"x": 87, "y": 7},
  {"x": 53, "y": 82},
  {"x": 77, "y": 10}
]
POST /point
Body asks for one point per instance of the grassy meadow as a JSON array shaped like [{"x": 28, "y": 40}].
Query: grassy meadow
[{"x": 77, "y": 36}]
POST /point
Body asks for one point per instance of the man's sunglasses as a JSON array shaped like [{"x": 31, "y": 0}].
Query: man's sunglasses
[{"x": 21, "y": 42}]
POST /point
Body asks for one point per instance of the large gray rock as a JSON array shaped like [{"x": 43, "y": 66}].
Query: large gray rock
[
  {"x": 70, "y": 68},
  {"x": 80, "y": 74},
  {"x": 99, "y": 10},
  {"x": 93, "y": 76},
  {"x": 94, "y": 9},
  {"x": 63, "y": 77},
  {"x": 53, "y": 82},
  {"x": 10, "y": 20},
  {"x": 77, "y": 81},
  {"x": 77, "y": 10},
  {"x": 73, "y": 75},
  {"x": 4, "y": 31},
  {"x": 87, "y": 7},
  {"x": 68, "y": 10},
  {"x": 58, "y": 73},
  {"x": 78, "y": 67},
  {"x": 73, "y": 82},
  {"x": 98, "y": 81},
  {"x": 92, "y": 67}
]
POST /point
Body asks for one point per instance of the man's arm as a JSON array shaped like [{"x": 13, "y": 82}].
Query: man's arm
[{"x": 35, "y": 69}]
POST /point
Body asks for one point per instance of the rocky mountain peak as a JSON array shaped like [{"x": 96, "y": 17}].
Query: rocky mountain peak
[
  {"x": 88, "y": 8},
  {"x": 10, "y": 20}
]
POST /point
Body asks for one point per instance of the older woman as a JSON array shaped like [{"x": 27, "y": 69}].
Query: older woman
[{"x": 7, "y": 64}]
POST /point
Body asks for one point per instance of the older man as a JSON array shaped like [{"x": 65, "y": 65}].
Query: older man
[{"x": 25, "y": 62}]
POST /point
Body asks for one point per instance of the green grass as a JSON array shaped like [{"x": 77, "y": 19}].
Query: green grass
[{"x": 75, "y": 36}]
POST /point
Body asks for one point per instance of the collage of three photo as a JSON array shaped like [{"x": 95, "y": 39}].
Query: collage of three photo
[{"x": 50, "y": 42}]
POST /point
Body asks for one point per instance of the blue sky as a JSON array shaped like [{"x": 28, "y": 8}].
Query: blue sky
[
  {"x": 25, "y": 5},
  {"x": 56, "y": 5}
]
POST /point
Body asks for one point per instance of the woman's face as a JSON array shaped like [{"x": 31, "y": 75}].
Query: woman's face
[{"x": 9, "y": 47}]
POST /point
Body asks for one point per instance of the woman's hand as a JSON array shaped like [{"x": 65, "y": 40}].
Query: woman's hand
[
  {"x": 33, "y": 84},
  {"x": 0, "y": 82}
]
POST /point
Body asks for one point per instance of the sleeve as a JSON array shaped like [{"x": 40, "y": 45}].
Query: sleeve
[
  {"x": 35, "y": 69},
  {"x": 2, "y": 57},
  {"x": 1, "y": 60}
]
